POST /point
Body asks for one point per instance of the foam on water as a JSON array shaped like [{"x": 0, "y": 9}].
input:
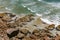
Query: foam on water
[
  {"x": 39, "y": 0},
  {"x": 49, "y": 22},
  {"x": 55, "y": 4}
]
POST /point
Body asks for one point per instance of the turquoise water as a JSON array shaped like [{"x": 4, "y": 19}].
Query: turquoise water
[
  {"x": 52, "y": 0},
  {"x": 25, "y": 6},
  {"x": 48, "y": 9}
]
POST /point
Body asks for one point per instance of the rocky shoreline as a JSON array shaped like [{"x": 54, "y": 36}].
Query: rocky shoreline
[{"x": 26, "y": 27}]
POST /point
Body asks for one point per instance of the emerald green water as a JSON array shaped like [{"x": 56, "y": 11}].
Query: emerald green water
[
  {"x": 24, "y": 6},
  {"x": 12, "y": 6}
]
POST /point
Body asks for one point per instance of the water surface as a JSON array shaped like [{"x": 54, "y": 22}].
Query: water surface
[{"x": 48, "y": 9}]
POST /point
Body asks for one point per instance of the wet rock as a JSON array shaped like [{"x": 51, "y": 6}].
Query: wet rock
[
  {"x": 2, "y": 15},
  {"x": 14, "y": 38},
  {"x": 27, "y": 38},
  {"x": 12, "y": 25},
  {"x": 24, "y": 31},
  {"x": 51, "y": 27},
  {"x": 25, "y": 28},
  {"x": 25, "y": 18},
  {"x": 58, "y": 28},
  {"x": 20, "y": 35},
  {"x": 12, "y": 15},
  {"x": 12, "y": 32},
  {"x": 2, "y": 24},
  {"x": 6, "y": 18},
  {"x": 36, "y": 32}
]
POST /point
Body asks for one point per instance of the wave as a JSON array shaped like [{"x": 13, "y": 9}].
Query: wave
[
  {"x": 48, "y": 9},
  {"x": 55, "y": 4}
]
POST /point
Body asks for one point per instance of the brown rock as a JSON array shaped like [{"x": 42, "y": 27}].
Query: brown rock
[
  {"x": 12, "y": 32},
  {"x": 36, "y": 32},
  {"x": 2, "y": 24},
  {"x": 20, "y": 36},
  {"x": 27, "y": 38},
  {"x": 51, "y": 27},
  {"x": 58, "y": 28},
  {"x": 24, "y": 31},
  {"x": 2, "y": 15}
]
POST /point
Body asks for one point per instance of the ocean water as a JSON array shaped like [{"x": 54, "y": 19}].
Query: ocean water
[
  {"x": 48, "y": 9},
  {"x": 52, "y": 0}
]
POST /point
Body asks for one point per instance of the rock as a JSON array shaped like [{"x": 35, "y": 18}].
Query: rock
[
  {"x": 12, "y": 25},
  {"x": 1, "y": 38},
  {"x": 12, "y": 32},
  {"x": 2, "y": 24},
  {"x": 24, "y": 31},
  {"x": 26, "y": 18},
  {"x": 5, "y": 37},
  {"x": 36, "y": 32},
  {"x": 58, "y": 28},
  {"x": 51, "y": 27},
  {"x": 57, "y": 37},
  {"x": 2, "y": 15},
  {"x": 20, "y": 36},
  {"x": 33, "y": 36},
  {"x": 14, "y": 38},
  {"x": 27, "y": 38},
  {"x": 27, "y": 27}
]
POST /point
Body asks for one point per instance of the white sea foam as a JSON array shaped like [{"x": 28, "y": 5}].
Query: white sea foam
[
  {"x": 23, "y": 5},
  {"x": 30, "y": 10},
  {"x": 8, "y": 8},
  {"x": 47, "y": 21},
  {"x": 55, "y": 4},
  {"x": 39, "y": 0},
  {"x": 44, "y": 20},
  {"x": 38, "y": 14},
  {"x": 27, "y": 4}
]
